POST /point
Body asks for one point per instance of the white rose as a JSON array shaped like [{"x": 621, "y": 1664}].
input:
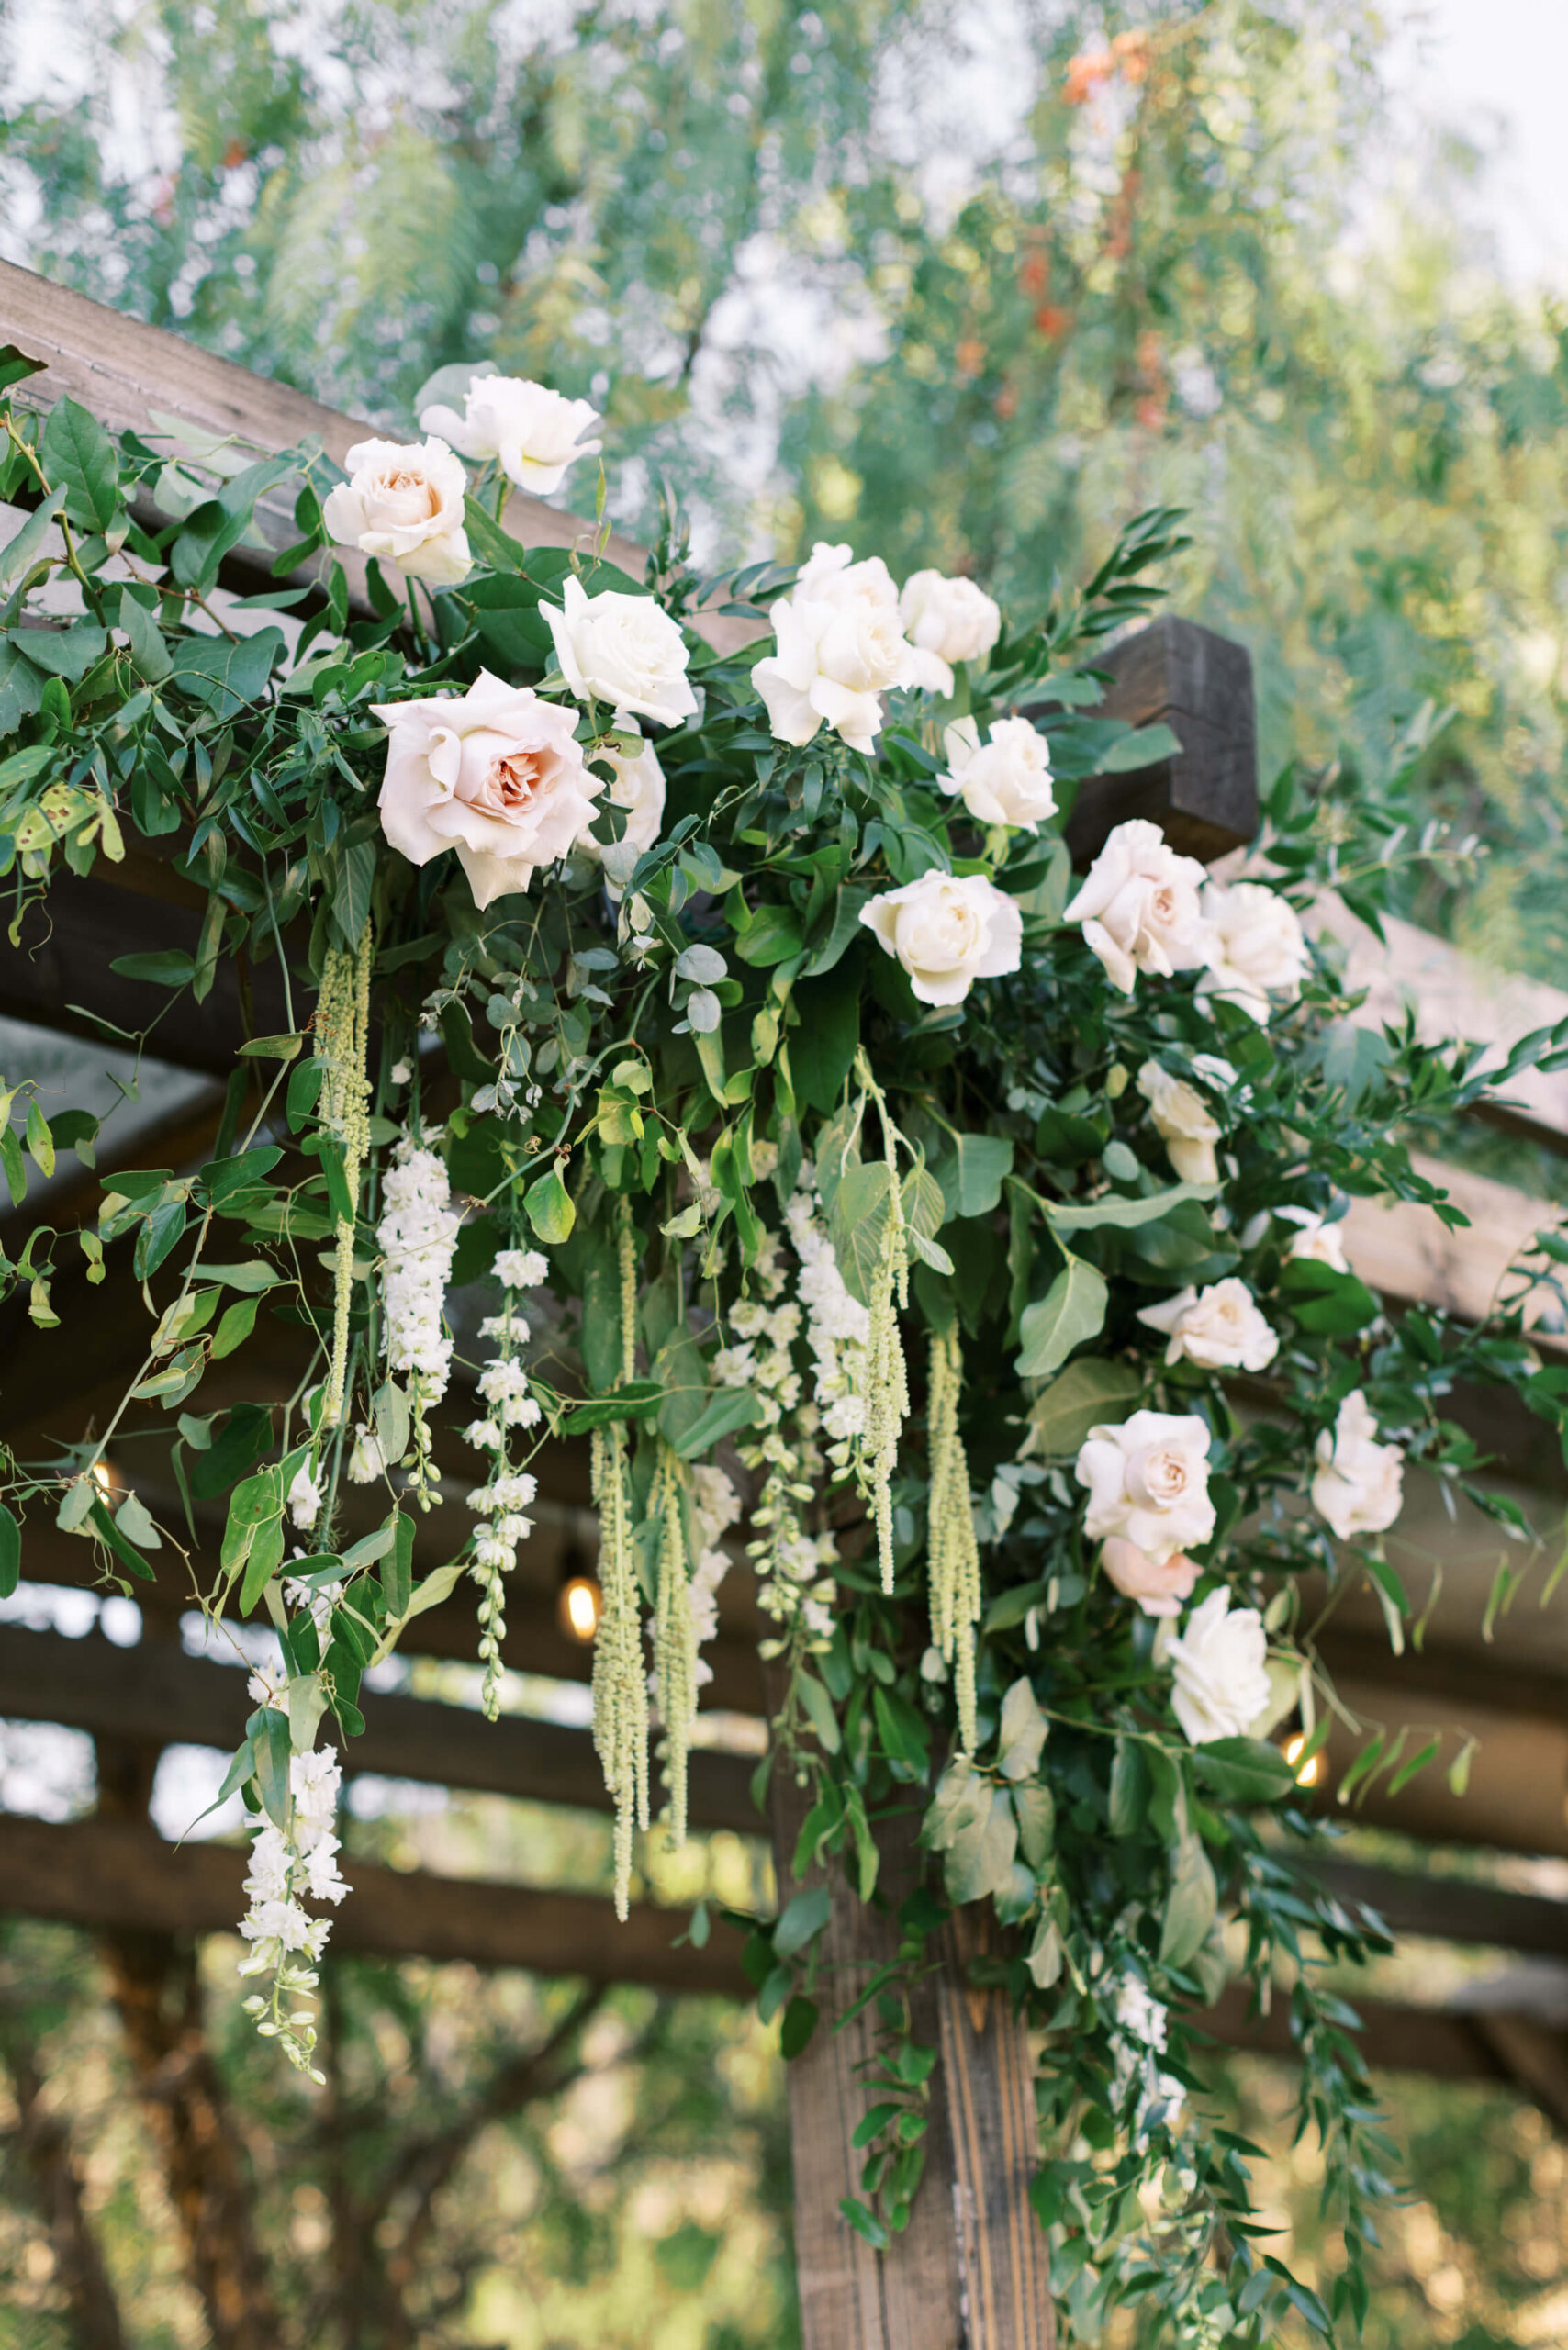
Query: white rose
[
  {"x": 1160, "y": 1586},
  {"x": 1257, "y": 949},
  {"x": 1006, "y": 780},
  {"x": 1220, "y": 1328},
  {"x": 838, "y": 646},
  {"x": 1140, "y": 907},
  {"x": 1220, "y": 1663},
  {"x": 494, "y": 773},
  {"x": 1317, "y": 1242},
  {"x": 949, "y": 621},
  {"x": 1149, "y": 1483},
  {"x": 535, "y": 433},
  {"x": 1187, "y": 1127},
  {"x": 1359, "y": 1483},
  {"x": 403, "y": 502},
  {"x": 948, "y": 933},
  {"x": 624, "y": 650},
  {"x": 638, "y": 788}
]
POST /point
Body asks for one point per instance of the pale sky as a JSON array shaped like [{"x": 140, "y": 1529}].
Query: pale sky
[{"x": 1498, "y": 69}]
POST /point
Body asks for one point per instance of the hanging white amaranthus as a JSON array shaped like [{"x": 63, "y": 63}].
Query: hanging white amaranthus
[
  {"x": 508, "y": 1491},
  {"x": 417, "y": 1236},
  {"x": 287, "y": 1864}
]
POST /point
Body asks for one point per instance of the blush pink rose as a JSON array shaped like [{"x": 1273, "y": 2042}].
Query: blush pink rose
[
  {"x": 495, "y": 774},
  {"x": 1160, "y": 1586}
]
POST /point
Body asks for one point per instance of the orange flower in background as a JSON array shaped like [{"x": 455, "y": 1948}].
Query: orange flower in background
[
  {"x": 1083, "y": 71},
  {"x": 1006, "y": 403},
  {"x": 1051, "y": 319},
  {"x": 970, "y": 356},
  {"x": 1035, "y": 273},
  {"x": 1131, "y": 53},
  {"x": 234, "y": 154}
]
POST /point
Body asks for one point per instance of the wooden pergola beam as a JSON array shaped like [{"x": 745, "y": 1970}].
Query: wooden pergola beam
[
  {"x": 156, "y": 1693},
  {"x": 103, "y": 1872}
]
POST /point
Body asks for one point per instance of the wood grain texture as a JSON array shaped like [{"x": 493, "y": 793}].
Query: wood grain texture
[
  {"x": 970, "y": 2270},
  {"x": 1174, "y": 673},
  {"x": 106, "y": 1872},
  {"x": 156, "y": 1692}
]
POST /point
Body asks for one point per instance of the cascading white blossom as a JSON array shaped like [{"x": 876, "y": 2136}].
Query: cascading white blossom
[
  {"x": 1141, "y": 2026},
  {"x": 716, "y": 1506},
  {"x": 501, "y": 1503},
  {"x": 838, "y": 1327},
  {"x": 417, "y": 1236},
  {"x": 289, "y": 1865}
]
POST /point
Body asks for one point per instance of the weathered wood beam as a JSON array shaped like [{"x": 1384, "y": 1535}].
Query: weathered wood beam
[
  {"x": 1204, "y": 800},
  {"x": 114, "y": 1872},
  {"x": 1449, "y": 1908},
  {"x": 1407, "y": 1253},
  {"x": 1450, "y": 2044},
  {"x": 155, "y": 1692}
]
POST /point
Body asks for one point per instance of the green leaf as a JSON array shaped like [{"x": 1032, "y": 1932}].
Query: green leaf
[
  {"x": 273, "y": 1747},
  {"x": 1190, "y": 1906},
  {"x": 1022, "y": 1734},
  {"x": 864, "y": 2221},
  {"x": 1088, "y": 1392},
  {"x": 638, "y": 1400},
  {"x": 549, "y": 1208},
  {"x": 972, "y": 1176},
  {"x": 1034, "y": 1807},
  {"x": 41, "y": 1142},
  {"x": 226, "y": 678},
  {"x": 79, "y": 457},
  {"x": 10, "y": 1552},
  {"x": 167, "y": 967},
  {"x": 1072, "y": 1310},
  {"x": 148, "y": 651},
  {"x": 1327, "y": 1302},
  {"x": 980, "y": 1859},
  {"x": 857, "y": 1221},
  {"x": 1140, "y": 749},
  {"x": 19, "y": 555},
  {"x": 802, "y": 1917},
  {"x": 1244, "y": 1770},
  {"x": 1124, "y": 1213},
  {"x": 773, "y": 936},
  {"x": 235, "y": 1328},
  {"x": 823, "y": 1046},
  {"x": 819, "y": 1711},
  {"x": 730, "y": 1408}
]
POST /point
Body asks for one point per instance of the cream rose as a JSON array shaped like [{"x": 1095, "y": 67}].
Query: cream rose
[
  {"x": 624, "y": 650},
  {"x": 1220, "y": 1664},
  {"x": 536, "y": 433},
  {"x": 638, "y": 788},
  {"x": 403, "y": 503},
  {"x": 838, "y": 645},
  {"x": 1257, "y": 947},
  {"x": 1149, "y": 1483},
  {"x": 494, "y": 773},
  {"x": 1140, "y": 907},
  {"x": 1185, "y": 1126},
  {"x": 1358, "y": 1485},
  {"x": 1316, "y": 1241},
  {"x": 1160, "y": 1586},
  {"x": 1006, "y": 780},
  {"x": 948, "y": 621},
  {"x": 1220, "y": 1328},
  {"x": 948, "y": 933}
]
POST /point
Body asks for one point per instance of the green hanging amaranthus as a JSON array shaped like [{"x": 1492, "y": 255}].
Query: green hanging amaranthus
[
  {"x": 620, "y": 1678},
  {"x": 343, "y": 1045},
  {"x": 952, "y": 1553}
]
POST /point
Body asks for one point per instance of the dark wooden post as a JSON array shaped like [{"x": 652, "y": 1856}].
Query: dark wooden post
[{"x": 972, "y": 2270}]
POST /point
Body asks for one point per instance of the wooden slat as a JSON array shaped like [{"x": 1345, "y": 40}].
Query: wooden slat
[
  {"x": 113, "y": 1874},
  {"x": 155, "y": 1693},
  {"x": 1451, "y": 2046},
  {"x": 1176, "y": 674},
  {"x": 1407, "y": 1253},
  {"x": 1449, "y": 1908}
]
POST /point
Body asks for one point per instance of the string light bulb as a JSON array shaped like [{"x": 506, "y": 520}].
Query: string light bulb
[
  {"x": 1307, "y": 1774},
  {"x": 581, "y": 1605}
]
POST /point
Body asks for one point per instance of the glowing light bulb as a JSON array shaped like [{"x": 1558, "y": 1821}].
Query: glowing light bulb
[
  {"x": 1307, "y": 1775},
  {"x": 103, "y": 1477},
  {"x": 582, "y": 1604}
]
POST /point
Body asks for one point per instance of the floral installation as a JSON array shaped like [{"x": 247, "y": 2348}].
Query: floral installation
[{"x": 709, "y": 1058}]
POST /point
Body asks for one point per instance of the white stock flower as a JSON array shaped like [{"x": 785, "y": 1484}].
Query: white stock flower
[
  {"x": 1220, "y": 1328},
  {"x": 1140, "y": 907},
  {"x": 1257, "y": 947},
  {"x": 520, "y": 1268},
  {"x": 536, "y": 433},
  {"x": 495, "y": 773},
  {"x": 403, "y": 503},
  {"x": 948, "y": 621},
  {"x": 1316, "y": 1241},
  {"x": 638, "y": 788},
  {"x": 1220, "y": 1664},
  {"x": 948, "y": 932},
  {"x": 624, "y": 650},
  {"x": 417, "y": 1236},
  {"x": 838, "y": 646},
  {"x": 1359, "y": 1483},
  {"x": 366, "y": 1462},
  {"x": 1149, "y": 1483},
  {"x": 305, "y": 1497},
  {"x": 1005, "y": 780},
  {"x": 1184, "y": 1124}
]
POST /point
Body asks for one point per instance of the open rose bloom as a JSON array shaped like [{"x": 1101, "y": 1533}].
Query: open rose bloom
[
  {"x": 838, "y": 646},
  {"x": 1183, "y": 1121},
  {"x": 1149, "y": 1483},
  {"x": 948, "y": 933},
  {"x": 1141, "y": 907},
  {"x": 948, "y": 621},
  {"x": 1220, "y": 1667},
  {"x": 1257, "y": 948},
  {"x": 1005, "y": 780},
  {"x": 533, "y": 432},
  {"x": 403, "y": 504},
  {"x": 495, "y": 774},
  {"x": 624, "y": 650},
  {"x": 1219, "y": 1328},
  {"x": 1359, "y": 1484}
]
